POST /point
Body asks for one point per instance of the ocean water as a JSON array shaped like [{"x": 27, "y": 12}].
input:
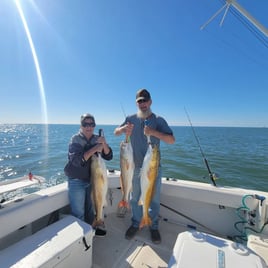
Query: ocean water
[{"x": 239, "y": 156}]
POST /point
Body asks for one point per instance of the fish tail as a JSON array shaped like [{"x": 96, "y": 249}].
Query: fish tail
[
  {"x": 123, "y": 203},
  {"x": 145, "y": 221},
  {"x": 122, "y": 208},
  {"x": 97, "y": 222}
]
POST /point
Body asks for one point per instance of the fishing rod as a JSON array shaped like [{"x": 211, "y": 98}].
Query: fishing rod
[
  {"x": 211, "y": 175},
  {"x": 123, "y": 110},
  {"x": 127, "y": 139}
]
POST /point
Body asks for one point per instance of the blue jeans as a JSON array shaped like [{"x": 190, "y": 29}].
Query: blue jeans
[
  {"x": 135, "y": 197},
  {"x": 80, "y": 200}
]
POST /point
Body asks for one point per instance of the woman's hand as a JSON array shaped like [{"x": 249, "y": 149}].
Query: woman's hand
[{"x": 98, "y": 148}]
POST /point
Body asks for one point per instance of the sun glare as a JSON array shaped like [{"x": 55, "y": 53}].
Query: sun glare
[{"x": 36, "y": 64}]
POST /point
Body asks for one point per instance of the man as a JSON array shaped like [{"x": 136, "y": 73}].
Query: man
[{"x": 139, "y": 126}]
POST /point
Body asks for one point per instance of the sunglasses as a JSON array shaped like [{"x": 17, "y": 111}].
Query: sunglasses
[
  {"x": 142, "y": 101},
  {"x": 85, "y": 124}
]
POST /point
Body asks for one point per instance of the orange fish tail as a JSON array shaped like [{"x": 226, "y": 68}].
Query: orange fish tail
[
  {"x": 123, "y": 203},
  {"x": 145, "y": 221}
]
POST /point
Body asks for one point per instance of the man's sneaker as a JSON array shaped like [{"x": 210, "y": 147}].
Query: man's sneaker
[
  {"x": 100, "y": 232},
  {"x": 131, "y": 231},
  {"x": 155, "y": 236}
]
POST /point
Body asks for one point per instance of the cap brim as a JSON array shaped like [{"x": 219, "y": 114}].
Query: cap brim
[
  {"x": 87, "y": 117},
  {"x": 142, "y": 98}
]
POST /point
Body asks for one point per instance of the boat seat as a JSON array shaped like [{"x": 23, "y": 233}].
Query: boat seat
[{"x": 60, "y": 244}]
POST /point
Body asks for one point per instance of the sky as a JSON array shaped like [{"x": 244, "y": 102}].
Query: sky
[{"x": 93, "y": 55}]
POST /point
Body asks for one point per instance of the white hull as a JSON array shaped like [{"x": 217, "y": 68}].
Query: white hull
[{"x": 185, "y": 206}]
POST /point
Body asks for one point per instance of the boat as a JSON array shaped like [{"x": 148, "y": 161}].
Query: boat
[
  {"x": 21, "y": 182},
  {"x": 9, "y": 188},
  {"x": 202, "y": 225}
]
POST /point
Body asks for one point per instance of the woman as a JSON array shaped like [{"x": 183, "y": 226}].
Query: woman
[{"x": 82, "y": 147}]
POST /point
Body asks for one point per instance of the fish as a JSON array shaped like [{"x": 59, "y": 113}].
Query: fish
[
  {"x": 149, "y": 172},
  {"x": 127, "y": 170},
  {"x": 99, "y": 186}
]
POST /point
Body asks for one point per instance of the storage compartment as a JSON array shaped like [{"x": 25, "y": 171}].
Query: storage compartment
[
  {"x": 196, "y": 249},
  {"x": 65, "y": 243}
]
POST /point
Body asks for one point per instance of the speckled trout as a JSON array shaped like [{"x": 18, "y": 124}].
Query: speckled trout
[
  {"x": 127, "y": 170},
  {"x": 99, "y": 185},
  {"x": 149, "y": 172}
]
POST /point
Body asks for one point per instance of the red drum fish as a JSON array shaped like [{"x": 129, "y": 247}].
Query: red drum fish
[
  {"x": 99, "y": 185},
  {"x": 127, "y": 170},
  {"x": 149, "y": 172}
]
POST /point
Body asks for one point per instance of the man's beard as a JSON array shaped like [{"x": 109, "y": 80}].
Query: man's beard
[{"x": 144, "y": 115}]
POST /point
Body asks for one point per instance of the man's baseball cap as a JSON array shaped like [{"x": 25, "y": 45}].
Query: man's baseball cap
[{"x": 143, "y": 94}]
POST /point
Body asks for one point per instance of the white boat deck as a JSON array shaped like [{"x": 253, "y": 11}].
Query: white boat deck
[{"x": 114, "y": 250}]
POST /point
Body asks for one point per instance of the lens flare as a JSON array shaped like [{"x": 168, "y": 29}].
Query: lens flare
[{"x": 37, "y": 66}]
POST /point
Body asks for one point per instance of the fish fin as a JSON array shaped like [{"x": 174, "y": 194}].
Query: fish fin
[
  {"x": 127, "y": 165},
  {"x": 121, "y": 183},
  {"x": 104, "y": 202}
]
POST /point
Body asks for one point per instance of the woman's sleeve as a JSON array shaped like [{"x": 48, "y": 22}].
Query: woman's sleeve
[
  {"x": 108, "y": 156},
  {"x": 76, "y": 154}
]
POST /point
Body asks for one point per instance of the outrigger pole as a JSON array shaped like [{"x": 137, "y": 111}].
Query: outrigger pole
[
  {"x": 211, "y": 176},
  {"x": 242, "y": 11}
]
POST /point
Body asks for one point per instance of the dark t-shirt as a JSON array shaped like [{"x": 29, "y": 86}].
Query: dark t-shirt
[{"x": 138, "y": 140}]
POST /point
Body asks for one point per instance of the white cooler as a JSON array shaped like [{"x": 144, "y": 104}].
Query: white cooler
[
  {"x": 65, "y": 243},
  {"x": 196, "y": 249}
]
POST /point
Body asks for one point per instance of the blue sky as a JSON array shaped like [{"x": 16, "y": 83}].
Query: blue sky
[{"x": 95, "y": 55}]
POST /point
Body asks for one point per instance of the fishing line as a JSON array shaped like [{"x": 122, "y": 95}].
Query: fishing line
[{"x": 211, "y": 175}]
